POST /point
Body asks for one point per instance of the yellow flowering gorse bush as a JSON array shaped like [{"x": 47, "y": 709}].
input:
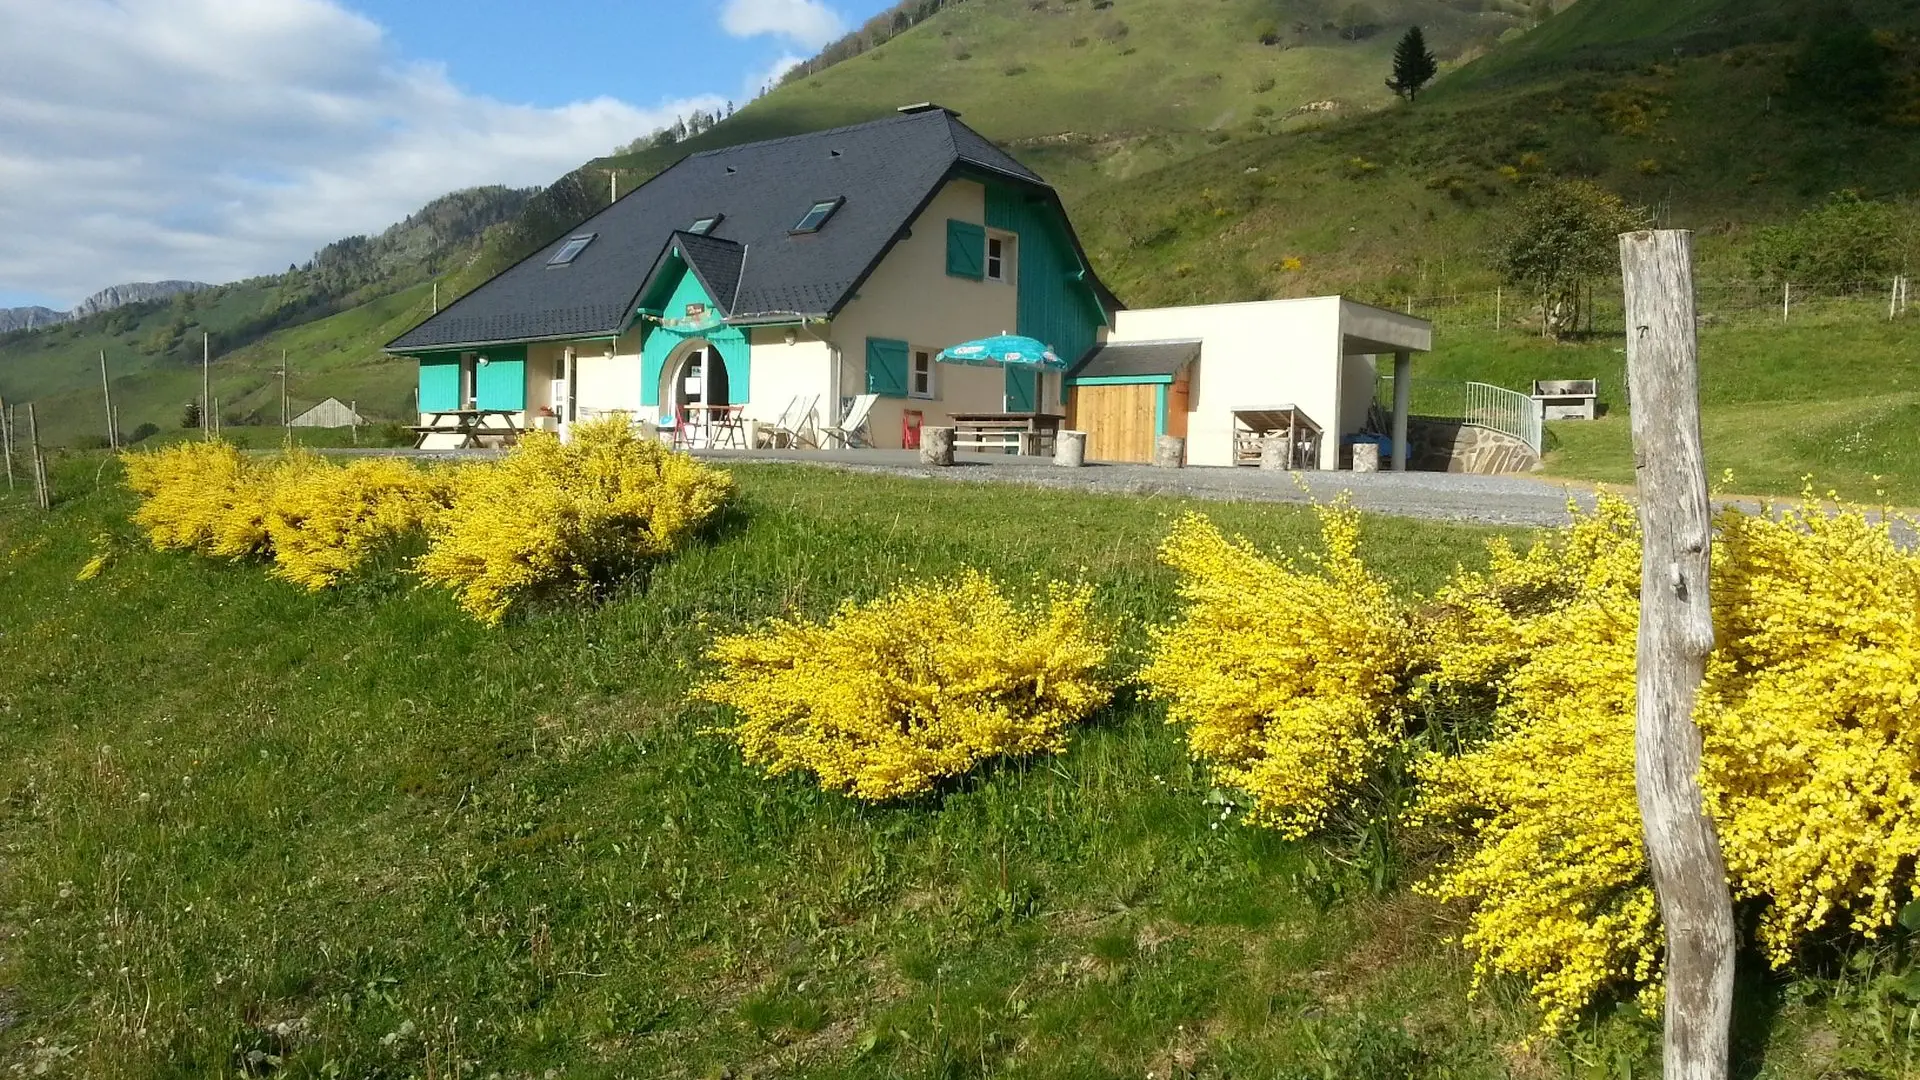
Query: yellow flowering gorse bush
[
  {"x": 1811, "y": 760},
  {"x": 566, "y": 519},
  {"x": 1286, "y": 677},
  {"x": 885, "y": 698},
  {"x": 318, "y": 521},
  {"x": 325, "y": 521}
]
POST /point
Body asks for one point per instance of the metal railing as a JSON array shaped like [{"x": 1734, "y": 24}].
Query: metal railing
[{"x": 1493, "y": 407}]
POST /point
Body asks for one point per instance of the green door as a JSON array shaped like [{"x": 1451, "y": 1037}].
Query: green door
[{"x": 1020, "y": 389}]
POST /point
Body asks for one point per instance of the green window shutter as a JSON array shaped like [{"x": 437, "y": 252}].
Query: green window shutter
[
  {"x": 887, "y": 367},
  {"x": 1019, "y": 384},
  {"x": 439, "y": 384},
  {"x": 501, "y": 384},
  {"x": 966, "y": 250}
]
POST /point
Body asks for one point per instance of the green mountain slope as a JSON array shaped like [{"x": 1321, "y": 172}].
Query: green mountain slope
[
  {"x": 1142, "y": 83},
  {"x": 153, "y": 349}
]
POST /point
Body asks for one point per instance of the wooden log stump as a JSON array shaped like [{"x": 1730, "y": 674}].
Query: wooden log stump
[
  {"x": 936, "y": 446},
  {"x": 1366, "y": 457},
  {"x": 1070, "y": 449},
  {"x": 1170, "y": 452}
]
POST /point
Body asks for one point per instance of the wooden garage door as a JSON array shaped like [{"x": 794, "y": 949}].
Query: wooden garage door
[{"x": 1118, "y": 420}]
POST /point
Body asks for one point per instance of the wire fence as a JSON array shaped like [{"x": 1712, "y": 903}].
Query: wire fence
[{"x": 1600, "y": 307}]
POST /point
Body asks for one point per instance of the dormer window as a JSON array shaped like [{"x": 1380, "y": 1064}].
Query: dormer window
[
  {"x": 818, "y": 215},
  {"x": 571, "y": 250},
  {"x": 705, "y": 225}
]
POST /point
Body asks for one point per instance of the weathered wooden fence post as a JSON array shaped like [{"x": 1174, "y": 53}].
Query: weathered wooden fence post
[
  {"x": 1676, "y": 634},
  {"x": 41, "y": 495},
  {"x": 6, "y": 440}
]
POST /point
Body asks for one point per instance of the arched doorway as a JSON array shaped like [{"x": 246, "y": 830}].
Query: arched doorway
[{"x": 697, "y": 379}]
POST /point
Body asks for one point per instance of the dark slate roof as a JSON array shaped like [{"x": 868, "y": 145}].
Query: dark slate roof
[
  {"x": 1137, "y": 359},
  {"x": 886, "y": 171},
  {"x": 717, "y": 263}
]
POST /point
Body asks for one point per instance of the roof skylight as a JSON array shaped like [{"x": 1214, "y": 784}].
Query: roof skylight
[
  {"x": 818, "y": 215},
  {"x": 705, "y": 225},
  {"x": 571, "y": 249}
]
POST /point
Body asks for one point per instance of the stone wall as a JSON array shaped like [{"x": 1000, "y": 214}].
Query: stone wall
[{"x": 1439, "y": 445}]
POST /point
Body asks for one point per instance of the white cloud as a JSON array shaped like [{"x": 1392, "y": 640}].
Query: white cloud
[
  {"x": 805, "y": 22},
  {"x": 209, "y": 139},
  {"x": 770, "y": 78}
]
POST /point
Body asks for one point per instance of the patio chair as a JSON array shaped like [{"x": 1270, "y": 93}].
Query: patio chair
[
  {"x": 851, "y": 431},
  {"x": 792, "y": 426}
]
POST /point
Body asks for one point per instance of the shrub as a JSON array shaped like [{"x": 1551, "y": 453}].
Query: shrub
[
  {"x": 888, "y": 697},
  {"x": 323, "y": 523},
  {"x": 206, "y": 497},
  {"x": 567, "y": 519},
  {"x": 1844, "y": 240},
  {"x": 1811, "y": 767},
  {"x": 1286, "y": 678},
  {"x": 146, "y": 430}
]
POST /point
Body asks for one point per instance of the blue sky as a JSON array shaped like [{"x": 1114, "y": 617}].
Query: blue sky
[{"x": 218, "y": 139}]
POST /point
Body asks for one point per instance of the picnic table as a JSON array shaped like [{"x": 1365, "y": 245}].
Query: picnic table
[
  {"x": 1023, "y": 433},
  {"x": 470, "y": 424}
]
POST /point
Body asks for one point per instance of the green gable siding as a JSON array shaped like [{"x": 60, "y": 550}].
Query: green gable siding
[
  {"x": 662, "y": 340},
  {"x": 966, "y": 250},
  {"x": 887, "y": 367},
  {"x": 439, "y": 382},
  {"x": 1057, "y": 304}
]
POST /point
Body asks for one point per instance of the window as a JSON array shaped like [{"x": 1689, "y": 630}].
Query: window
[
  {"x": 920, "y": 378},
  {"x": 571, "y": 249},
  {"x": 999, "y": 257},
  {"x": 818, "y": 216},
  {"x": 705, "y": 225}
]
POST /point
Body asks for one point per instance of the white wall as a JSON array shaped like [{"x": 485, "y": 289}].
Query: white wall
[
  {"x": 1358, "y": 376},
  {"x": 910, "y": 297},
  {"x": 607, "y": 375},
  {"x": 779, "y": 372},
  {"x": 1254, "y": 355}
]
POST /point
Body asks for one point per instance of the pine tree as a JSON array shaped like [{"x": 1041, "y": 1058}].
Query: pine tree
[{"x": 1413, "y": 66}]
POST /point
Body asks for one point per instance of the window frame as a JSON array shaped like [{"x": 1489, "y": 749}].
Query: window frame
[
  {"x": 1009, "y": 246},
  {"x": 914, "y": 353},
  {"x": 571, "y": 250},
  {"x": 824, "y": 209}
]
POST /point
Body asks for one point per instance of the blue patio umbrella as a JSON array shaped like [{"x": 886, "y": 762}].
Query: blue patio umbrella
[{"x": 1005, "y": 350}]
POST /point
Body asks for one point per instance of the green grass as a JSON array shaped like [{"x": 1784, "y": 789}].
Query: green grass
[
  {"x": 231, "y": 806},
  {"x": 250, "y": 830},
  {"x": 1833, "y": 397}
]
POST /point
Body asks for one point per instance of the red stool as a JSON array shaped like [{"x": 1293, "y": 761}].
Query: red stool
[{"x": 910, "y": 429}]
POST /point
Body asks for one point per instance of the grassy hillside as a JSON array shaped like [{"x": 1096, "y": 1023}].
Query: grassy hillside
[
  {"x": 252, "y": 831},
  {"x": 350, "y": 290},
  {"x": 1123, "y": 86}
]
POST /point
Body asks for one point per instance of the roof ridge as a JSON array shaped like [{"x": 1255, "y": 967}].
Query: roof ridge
[{"x": 797, "y": 136}]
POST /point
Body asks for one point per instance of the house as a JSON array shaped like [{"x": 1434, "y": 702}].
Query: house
[
  {"x": 1203, "y": 371},
  {"x": 806, "y": 269},
  {"x": 331, "y": 413}
]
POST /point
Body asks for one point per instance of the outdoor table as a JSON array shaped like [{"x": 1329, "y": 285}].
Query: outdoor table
[
  {"x": 1024, "y": 433},
  {"x": 470, "y": 424},
  {"x": 718, "y": 426}
]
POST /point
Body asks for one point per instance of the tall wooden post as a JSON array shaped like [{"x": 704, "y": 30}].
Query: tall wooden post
[
  {"x": 41, "y": 496},
  {"x": 6, "y": 440},
  {"x": 106, "y": 394},
  {"x": 206, "y": 387},
  {"x": 1676, "y": 634}
]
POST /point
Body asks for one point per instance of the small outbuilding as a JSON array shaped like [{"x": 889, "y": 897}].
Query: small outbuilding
[
  {"x": 331, "y": 413},
  {"x": 1210, "y": 371}
]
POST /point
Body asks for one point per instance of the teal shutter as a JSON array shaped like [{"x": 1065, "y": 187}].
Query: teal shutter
[
  {"x": 1020, "y": 395},
  {"x": 966, "y": 250},
  {"x": 501, "y": 383},
  {"x": 886, "y": 367},
  {"x": 440, "y": 384}
]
